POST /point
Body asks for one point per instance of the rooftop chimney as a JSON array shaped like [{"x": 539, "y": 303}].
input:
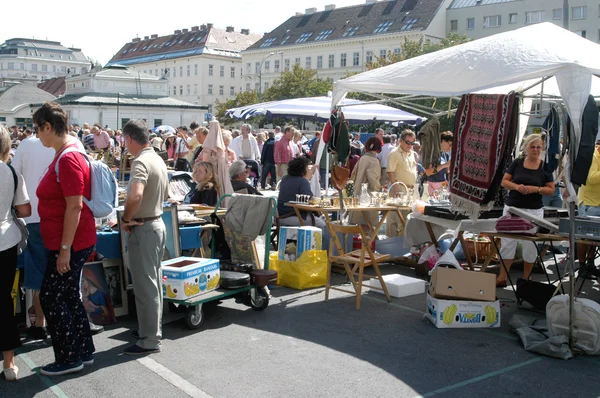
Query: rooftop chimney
[
  {"x": 299, "y": 14},
  {"x": 177, "y": 32},
  {"x": 154, "y": 36},
  {"x": 146, "y": 37},
  {"x": 245, "y": 31},
  {"x": 135, "y": 40},
  {"x": 185, "y": 30},
  {"x": 209, "y": 26},
  {"x": 330, "y": 7},
  {"x": 229, "y": 29},
  {"x": 309, "y": 11},
  {"x": 202, "y": 27},
  {"x": 195, "y": 28}
]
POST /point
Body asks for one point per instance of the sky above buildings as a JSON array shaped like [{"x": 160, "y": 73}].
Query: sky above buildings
[{"x": 101, "y": 28}]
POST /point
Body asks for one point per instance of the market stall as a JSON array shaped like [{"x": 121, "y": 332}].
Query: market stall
[{"x": 516, "y": 61}]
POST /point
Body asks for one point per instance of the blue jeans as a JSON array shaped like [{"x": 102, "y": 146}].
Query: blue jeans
[
  {"x": 554, "y": 200},
  {"x": 35, "y": 258},
  {"x": 589, "y": 210},
  {"x": 323, "y": 178},
  {"x": 266, "y": 169}
]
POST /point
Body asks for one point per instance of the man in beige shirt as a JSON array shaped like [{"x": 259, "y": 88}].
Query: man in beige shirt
[
  {"x": 402, "y": 167},
  {"x": 147, "y": 190}
]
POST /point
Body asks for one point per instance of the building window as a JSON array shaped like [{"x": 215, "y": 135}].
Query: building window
[
  {"x": 195, "y": 69},
  {"x": 397, "y": 51},
  {"x": 44, "y": 68},
  {"x": 155, "y": 72},
  {"x": 581, "y": 33},
  {"x": 174, "y": 90},
  {"x": 323, "y": 35},
  {"x": 331, "y": 60},
  {"x": 256, "y": 86},
  {"x": 454, "y": 25},
  {"x": 319, "y": 61},
  {"x": 267, "y": 66},
  {"x": 174, "y": 72},
  {"x": 248, "y": 68},
  {"x": 188, "y": 90},
  {"x": 180, "y": 90},
  {"x": 257, "y": 68},
  {"x": 351, "y": 31},
  {"x": 579, "y": 12},
  {"x": 181, "y": 71},
  {"x": 369, "y": 58},
  {"x": 221, "y": 90},
  {"x": 285, "y": 39},
  {"x": 209, "y": 108},
  {"x": 470, "y": 23},
  {"x": 195, "y": 89},
  {"x": 286, "y": 65},
  {"x": 221, "y": 71},
  {"x": 232, "y": 72},
  {"x": 189, "y": 68},
  {"x": 247, "y": 86},
  {"x": 492, "y": 21},
  {"x": 356, "y": 59},
  {"x": 210, "y": 89},
  {"x": 557, "y": 13},
  {"x": 210, "y": 70},
  {"x": 232, "y": 91},
  {"x": 409, "y": 23},
  {"x": 512, "y": 18},
  {"x": 383, "y": 27},
  {"x": 266, "y": 86},
  {"x": 157, "y": 122},
  {"x": 308, "y": 62},
  {"x": 536, "y": 109},
  {"x": 34, "y": 67},
  {"x": 276, "y": 66},
  {"x": 382, "y": 53},
  {"x": 268, "y": 42},
  {"x": 304, "y": 37},
  {"x": 534, "y": 17},
  {"x": 343, "y": 60}
]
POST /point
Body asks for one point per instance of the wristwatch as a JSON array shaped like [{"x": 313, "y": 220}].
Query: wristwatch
[
  {"x": 65, "y": 247},
  {"x": 539, "y": 190},
  {"x": 124, "y": 221}
]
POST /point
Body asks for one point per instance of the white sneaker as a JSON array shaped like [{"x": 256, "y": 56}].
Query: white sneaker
[{"x": 10, "y": 374}]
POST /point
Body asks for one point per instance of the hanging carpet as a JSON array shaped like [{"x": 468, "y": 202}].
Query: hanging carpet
[{"x": 484, "y": 141}]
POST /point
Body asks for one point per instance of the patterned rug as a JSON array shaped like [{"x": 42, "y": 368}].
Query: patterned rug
[{"x": 484, "y": 139}]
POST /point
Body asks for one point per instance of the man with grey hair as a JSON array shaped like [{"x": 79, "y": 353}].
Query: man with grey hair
[
  {"x": 238, "y": 172},
  {"x": 141, "y": 219}
]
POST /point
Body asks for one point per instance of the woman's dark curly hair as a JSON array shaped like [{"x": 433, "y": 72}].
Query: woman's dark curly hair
[{"x": 298, "y": 167}]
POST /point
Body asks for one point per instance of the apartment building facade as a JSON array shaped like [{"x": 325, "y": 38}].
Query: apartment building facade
[
  {"x": 340, "y": 41},
  {"x": 202, "y": 65}
]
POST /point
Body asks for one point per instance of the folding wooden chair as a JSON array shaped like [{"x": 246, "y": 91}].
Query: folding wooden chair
[{"x": 355, "y": 260}]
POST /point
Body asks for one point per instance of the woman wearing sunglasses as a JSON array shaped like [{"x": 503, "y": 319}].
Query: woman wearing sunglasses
[{"x": 526, "y": 181}]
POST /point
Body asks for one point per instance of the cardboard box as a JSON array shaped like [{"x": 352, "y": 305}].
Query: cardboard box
[
  {"x": 305, "y": 238},
  {"x": 462, "y": 313},
  {"x": 187, "y": 277},
  {"x": 398, "y": 285},
  {"x": 449, "y": 283}
]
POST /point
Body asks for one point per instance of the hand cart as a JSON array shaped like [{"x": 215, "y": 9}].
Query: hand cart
[{"x": 254, "y": 295}]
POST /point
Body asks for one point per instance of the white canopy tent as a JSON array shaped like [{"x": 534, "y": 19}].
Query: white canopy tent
[{"x": 498, "y": 64}]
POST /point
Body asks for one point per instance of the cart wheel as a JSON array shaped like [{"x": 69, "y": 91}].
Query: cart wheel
[
  {"x": 259, "y": 299},
  {"x": 194, "y": 317}
]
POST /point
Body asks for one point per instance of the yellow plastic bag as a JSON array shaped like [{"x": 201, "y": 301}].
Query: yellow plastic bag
[
  {"x": 308, "y": 271},
  {"x": 15, "y": 290}
]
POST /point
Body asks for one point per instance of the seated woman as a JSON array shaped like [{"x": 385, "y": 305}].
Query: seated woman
[
  {"x": 239, "y": 174},
  {"x": 206, "y": 190},
  {"x": 527, "y": 182}
]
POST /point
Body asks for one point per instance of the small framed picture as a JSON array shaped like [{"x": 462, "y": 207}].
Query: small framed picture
[
  {"x": 172, "y": 245},
  {"x": 95, "y": 294},
  {"x": 116, "y": 288}
]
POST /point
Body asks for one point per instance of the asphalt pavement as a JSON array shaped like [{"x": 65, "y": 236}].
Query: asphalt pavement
[{"x": 302, "y": 346}]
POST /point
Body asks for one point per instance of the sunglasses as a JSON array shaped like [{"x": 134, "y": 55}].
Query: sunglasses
[
  {"x": 409, "y": 142},
  {"x": 536, "y": 147}
]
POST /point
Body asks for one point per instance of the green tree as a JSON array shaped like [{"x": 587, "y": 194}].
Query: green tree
[
  {"x": 297, "y": 83},
  {"x": 243, "y": 98}
]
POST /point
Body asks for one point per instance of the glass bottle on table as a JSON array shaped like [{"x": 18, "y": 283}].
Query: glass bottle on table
[{"x": 365, "y": 198}]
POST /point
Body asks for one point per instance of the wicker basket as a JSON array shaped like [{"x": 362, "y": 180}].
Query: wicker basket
[{"x": 480, "y": 249}]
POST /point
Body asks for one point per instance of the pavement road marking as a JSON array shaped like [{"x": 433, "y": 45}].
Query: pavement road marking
[
  {"x": 173, "y": 378},
  {"x": 47, "y": 381},
  {"x": 480, "y": 378}
]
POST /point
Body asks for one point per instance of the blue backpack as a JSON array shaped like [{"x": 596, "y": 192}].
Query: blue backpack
[{"x": 104, "y": 198}]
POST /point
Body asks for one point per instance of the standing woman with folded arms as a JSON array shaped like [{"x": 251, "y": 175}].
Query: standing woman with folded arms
[
  {"x": 69, "y": 232},
  {"x": 10, "y": 236}
]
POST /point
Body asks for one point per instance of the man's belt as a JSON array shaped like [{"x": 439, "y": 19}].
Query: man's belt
[{"x": 146, "y": 219}]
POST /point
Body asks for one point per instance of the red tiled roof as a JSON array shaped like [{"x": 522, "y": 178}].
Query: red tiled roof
[{"x": 55, "y": 86}]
